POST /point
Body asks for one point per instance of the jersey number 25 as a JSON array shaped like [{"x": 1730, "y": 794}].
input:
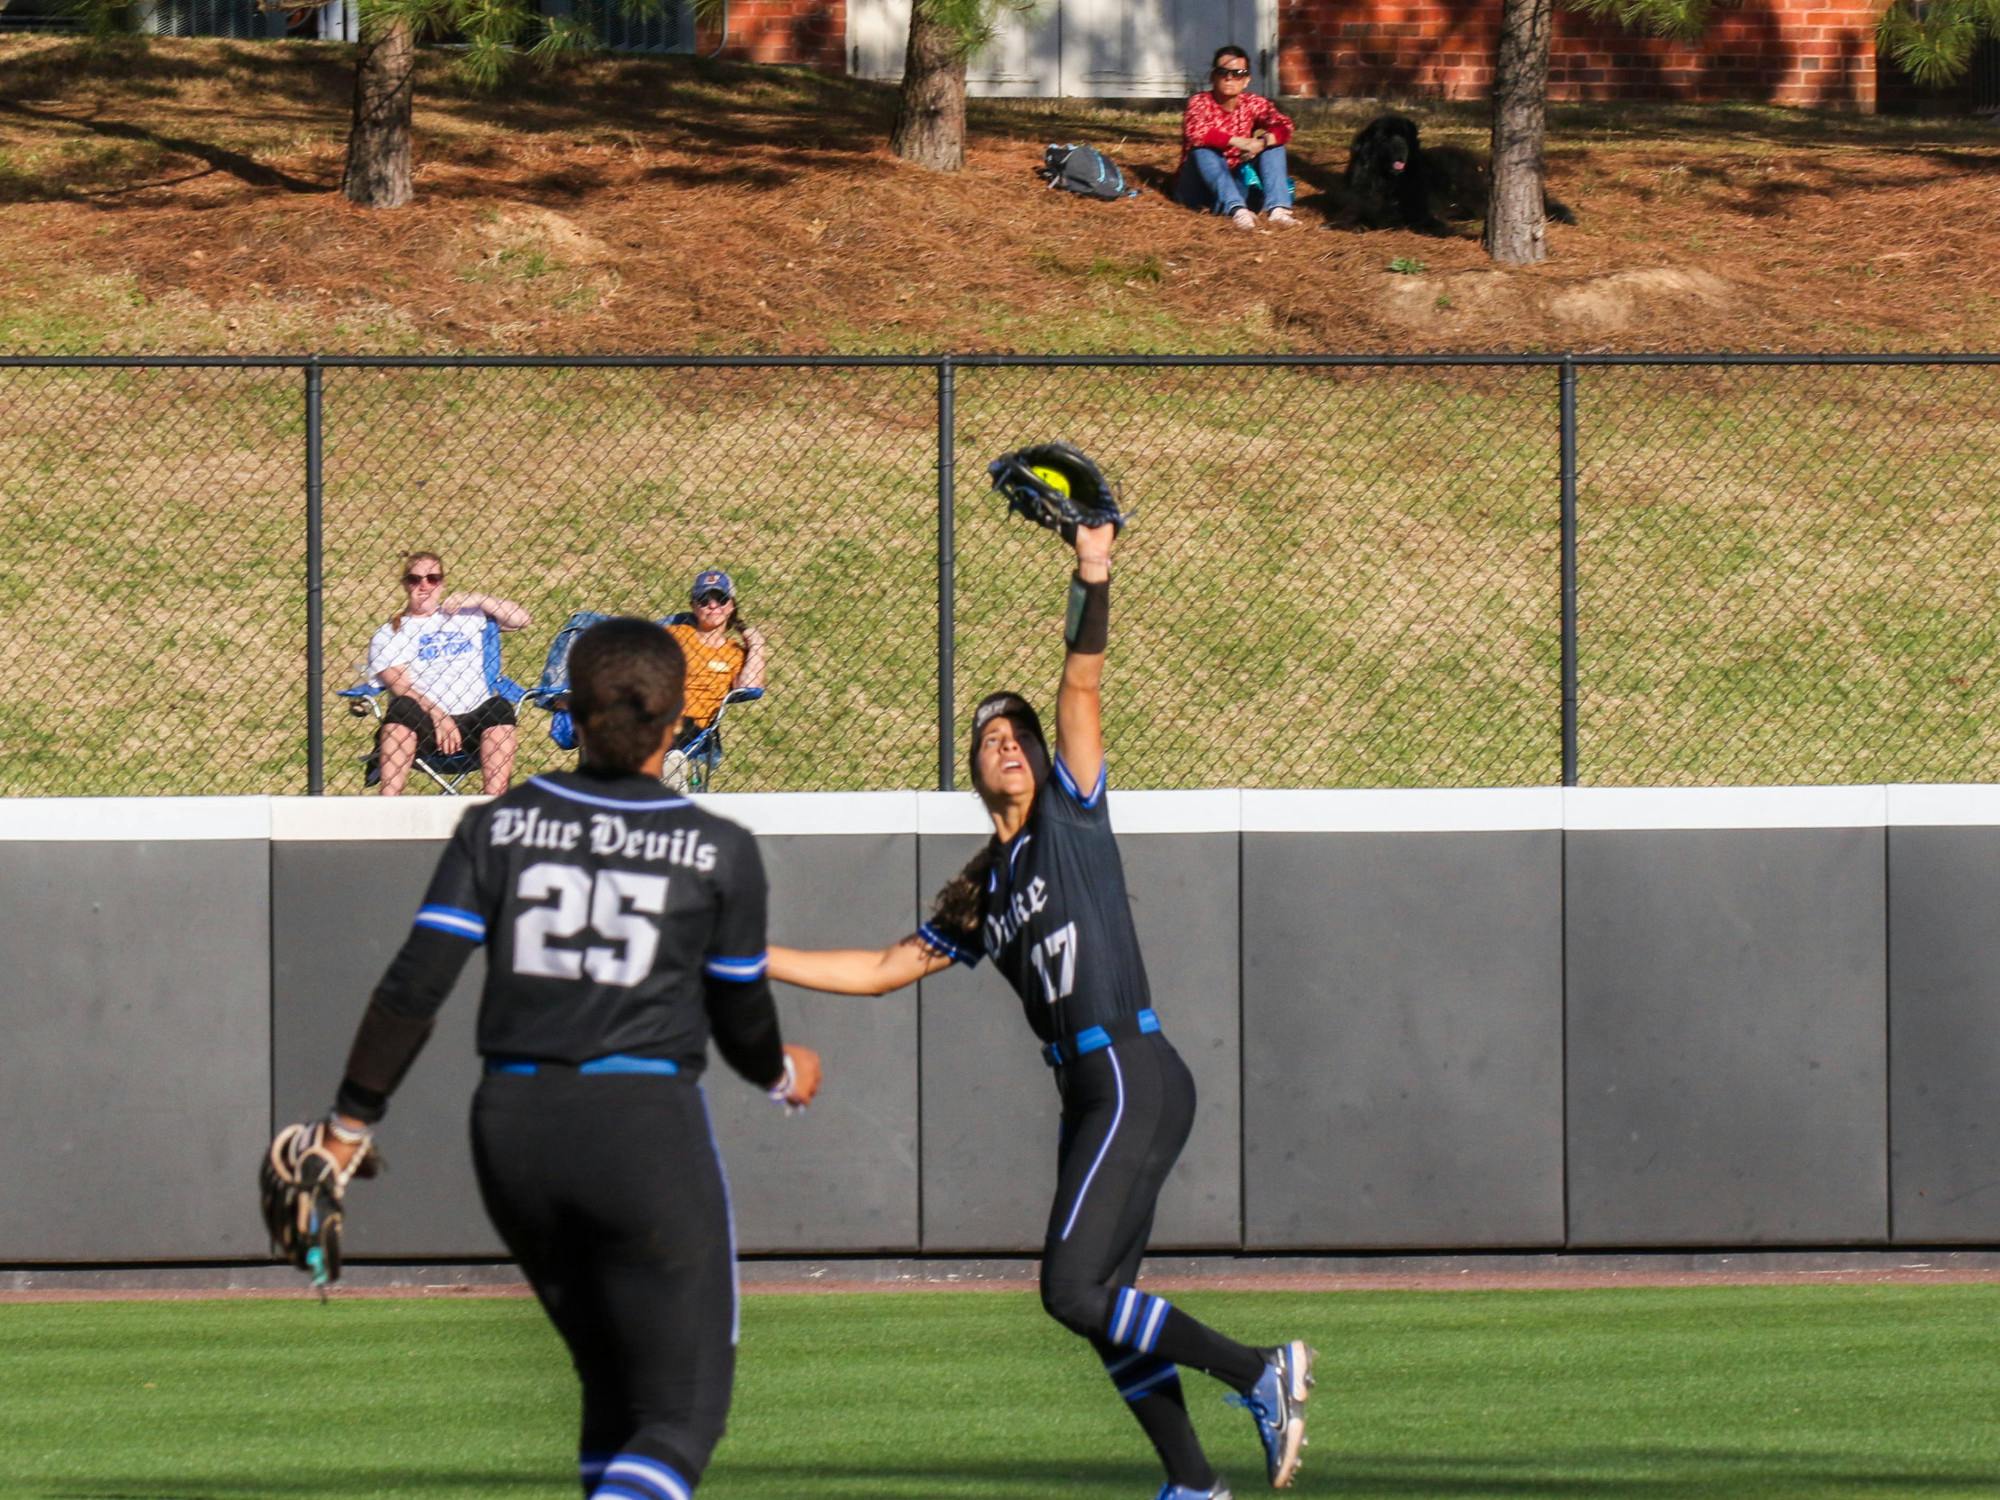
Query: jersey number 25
[{"x": 614, "y": 906}]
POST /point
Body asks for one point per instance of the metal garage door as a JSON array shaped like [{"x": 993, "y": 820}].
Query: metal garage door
[{"x": 1099, "y": 49}]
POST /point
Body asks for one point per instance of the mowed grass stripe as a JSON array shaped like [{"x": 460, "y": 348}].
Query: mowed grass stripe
[{"x": 1817, "y": 1391}]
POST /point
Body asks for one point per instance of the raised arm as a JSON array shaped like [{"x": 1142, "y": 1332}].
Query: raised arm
[
  {"x": 1079, "y": 702},
  {"x": 857, "y": 971},
  {"x": 756, "y": 652},
  {"x": 502, "y": 612}
]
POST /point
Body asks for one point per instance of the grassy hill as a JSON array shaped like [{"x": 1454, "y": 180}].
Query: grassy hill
[{"x": 182, "y": 196}]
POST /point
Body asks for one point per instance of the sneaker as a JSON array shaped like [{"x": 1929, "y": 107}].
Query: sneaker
[
  {"x": 1284, "y": 218},
  {"x": 1243, "y": 219},
  {"x": 1182, "y": 1492},
  {"x": 1275, "y": 1402}
]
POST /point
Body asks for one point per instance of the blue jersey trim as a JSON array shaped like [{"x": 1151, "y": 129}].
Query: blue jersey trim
[
  {"x": 612, "y": 1062},
  {"x": 934, "y": 938},
  {"x": 742, "y": 970},
  {"x": 619, "y": 1062},
  {"x": 1069, "y": 782},
  {"x": 729, "y": 1214},
  {"x": 454, "y": 920},
  {"x": 1111, "y": 1135},
  {"x": 612, "y": 802}
]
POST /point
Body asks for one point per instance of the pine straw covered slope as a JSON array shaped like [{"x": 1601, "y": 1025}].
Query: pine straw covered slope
[{"x": 182, "y": 197}]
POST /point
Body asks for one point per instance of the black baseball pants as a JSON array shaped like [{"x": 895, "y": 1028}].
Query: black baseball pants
[
  {"x": 609, "y": 1192},
  {"x": 1127, "y": 1111}
]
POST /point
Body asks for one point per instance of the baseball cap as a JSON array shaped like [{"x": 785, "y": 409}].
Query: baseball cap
[
  {"x": 713, "y": 581},
  {"x": 1021, "y": 713}
]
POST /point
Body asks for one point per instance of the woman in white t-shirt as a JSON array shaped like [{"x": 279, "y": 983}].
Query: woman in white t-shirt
[{"x": 431, "y": 657}]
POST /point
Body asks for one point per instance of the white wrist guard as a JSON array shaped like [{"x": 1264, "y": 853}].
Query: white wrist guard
[
  {"x": 781, "y": 1091},
  {"x": 345, "y": 1136}
]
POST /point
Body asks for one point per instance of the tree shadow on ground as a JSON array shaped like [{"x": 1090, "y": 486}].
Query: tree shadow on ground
[{"x": 246, "y": 169}]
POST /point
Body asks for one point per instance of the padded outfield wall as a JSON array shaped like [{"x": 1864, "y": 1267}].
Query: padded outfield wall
[{"x": 1424, "y": 1020}]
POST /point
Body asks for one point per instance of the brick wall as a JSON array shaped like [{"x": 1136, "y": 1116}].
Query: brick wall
[
  {"x": 1805, "y": 52},
  {"x": 812, "y": 32}
]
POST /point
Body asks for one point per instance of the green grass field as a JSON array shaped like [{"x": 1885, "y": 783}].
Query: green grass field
[{"x": 1817, "y": 1391}]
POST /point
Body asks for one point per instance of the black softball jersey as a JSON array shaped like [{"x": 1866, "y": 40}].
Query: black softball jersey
[
  {"x": 619, "y": 921},
  {"x": 1055, "y": 918}
]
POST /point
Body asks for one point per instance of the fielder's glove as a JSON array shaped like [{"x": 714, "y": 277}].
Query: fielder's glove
[
  {"x": 301, "y": 1185},
  {"x": 1054, "y": 485}
]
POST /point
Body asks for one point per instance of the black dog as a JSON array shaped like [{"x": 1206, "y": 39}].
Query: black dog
[
  {"x": 1393, "y": 180},
  {"x": 1388, "y": 181}
]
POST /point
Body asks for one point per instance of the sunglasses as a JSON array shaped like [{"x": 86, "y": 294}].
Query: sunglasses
[
  {"x": 411, "y": 580},
  {"x": 1232, "y": 72},
  {"x": 711, "y": 599}
]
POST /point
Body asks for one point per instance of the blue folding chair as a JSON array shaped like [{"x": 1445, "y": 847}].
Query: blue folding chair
[
  {"x": 689, "y": 766},
  {"x": 367, "y": 698}
]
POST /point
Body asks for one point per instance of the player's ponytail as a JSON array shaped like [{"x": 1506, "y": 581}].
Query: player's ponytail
[
  {"x": 957, "y": 905},
  {"x": 625, "y": 685}
]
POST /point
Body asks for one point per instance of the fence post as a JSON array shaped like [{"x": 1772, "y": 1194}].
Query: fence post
[
  {"x": 947, "y": 605},
  {"x": 315, "y": 649},
  {"x": 1568, "y": 571}
]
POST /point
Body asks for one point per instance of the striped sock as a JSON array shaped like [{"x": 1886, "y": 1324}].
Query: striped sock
[
  {"x": 1136, "y": 1319},
  {"x": 632, "y": 1476},
  {"x": 1153, "y": 1325},
  {"x": 1138, "y": 1375},
  {"x": 590, "y": 1469}
]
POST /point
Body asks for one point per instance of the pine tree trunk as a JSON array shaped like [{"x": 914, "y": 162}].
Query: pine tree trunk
[
  {"x": 930, "y": 120},
  {"x": 1515, "y": 224},
  {"x": 378, "y": 140}
]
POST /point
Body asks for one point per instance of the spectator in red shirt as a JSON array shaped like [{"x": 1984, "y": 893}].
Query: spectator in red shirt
[{"x": 1233, "y": 148}]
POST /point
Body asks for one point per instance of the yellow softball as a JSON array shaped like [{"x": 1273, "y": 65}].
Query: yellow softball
[{"x": 1055, "y": 479}]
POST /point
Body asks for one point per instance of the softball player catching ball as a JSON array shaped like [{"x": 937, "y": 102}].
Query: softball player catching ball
[{"x": 1045, "y": 900}]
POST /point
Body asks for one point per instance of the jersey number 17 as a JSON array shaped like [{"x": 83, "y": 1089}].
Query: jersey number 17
[{"x": 1054, "y": 958}]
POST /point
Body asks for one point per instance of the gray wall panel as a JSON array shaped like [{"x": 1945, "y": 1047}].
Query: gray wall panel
[
  {"x": 339, "y": 912},
  {"x": 1402, "y": 998},
  {"x": 1944, "y": 1034},
  {"x": 135, "y": 1080},
  {"x": 1187, "y": 905},
  {"x": 1727, "y": 1037},
  {"x": 990, "y": 1110},
  {"x": 989, "y": 1106},
  {"x": 843, "y": 1176}
]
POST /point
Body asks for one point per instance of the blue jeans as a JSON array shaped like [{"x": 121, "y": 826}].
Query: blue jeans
[{"x": 1207, "y": 182}]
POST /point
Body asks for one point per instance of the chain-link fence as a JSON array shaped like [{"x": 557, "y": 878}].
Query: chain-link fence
[{"x": 1344, "y": 571}]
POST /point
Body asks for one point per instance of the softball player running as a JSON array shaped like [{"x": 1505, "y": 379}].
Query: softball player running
[
  {"x": 1045, "y": 900},
  {"x": 624, "y": 927}
]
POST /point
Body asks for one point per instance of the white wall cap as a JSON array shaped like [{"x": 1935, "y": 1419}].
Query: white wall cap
[
  {"x": 345, "y": 819},
  {"x": 1944, "y": 806},
  {"x": 1395, "y": 810},
  {"x": 133, "y": 819},
  {"x": 818, "y": 812},
  {"x": 952, "y": 812},
  {"x": 1176, "y": 812},
  {"x": 1606, "y": 809},
  {"x": 1400, "y": 810}
]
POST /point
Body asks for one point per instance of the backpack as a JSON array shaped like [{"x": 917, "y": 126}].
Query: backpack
[{"x": 1085, "y": 170}]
